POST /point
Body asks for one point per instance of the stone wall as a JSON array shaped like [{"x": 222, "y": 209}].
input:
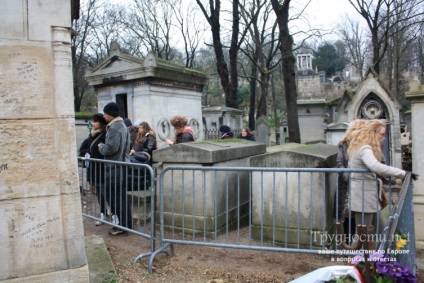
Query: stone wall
[
  {"x": 41, "y": 232},
  {"x": 416, "y": 96}
]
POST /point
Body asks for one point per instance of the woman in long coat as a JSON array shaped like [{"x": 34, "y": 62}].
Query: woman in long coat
[{"x": 365, "y": 152}]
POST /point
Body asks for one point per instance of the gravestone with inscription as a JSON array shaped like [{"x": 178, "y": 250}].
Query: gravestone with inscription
[{"x": 41, "y": 232}]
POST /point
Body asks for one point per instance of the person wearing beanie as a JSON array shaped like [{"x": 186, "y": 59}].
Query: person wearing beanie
[
  {"x": 95, "y": 171},
  {"x": 226, "y": 132},
  {"x": 111, "y": 109},
  {"x": 116, "y": 147}
]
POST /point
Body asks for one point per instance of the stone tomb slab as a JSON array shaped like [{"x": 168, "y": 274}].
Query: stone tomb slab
[
  {"x": 284, "y": 198},
  {"x": 204, "y": 152},
  {"x": 203, "y": 201}
]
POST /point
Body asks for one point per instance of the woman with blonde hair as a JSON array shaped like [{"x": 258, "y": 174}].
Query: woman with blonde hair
[
  {"x": 365, "y": 152},
  {"x": 183, "y": 133},
  {"x": 340, "y": 198}
]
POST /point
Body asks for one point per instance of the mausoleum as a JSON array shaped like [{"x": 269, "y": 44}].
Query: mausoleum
[{"x": 150, "y": 89}]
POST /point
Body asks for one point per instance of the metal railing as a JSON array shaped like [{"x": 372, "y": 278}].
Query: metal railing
[
  {"x": 268, "y": 209},
  {"x": 254, "y": 208},
  {"x": 123, "y": 192}
]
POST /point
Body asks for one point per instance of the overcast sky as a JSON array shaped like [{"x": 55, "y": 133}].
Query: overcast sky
[{"x": 323, "y": 14}]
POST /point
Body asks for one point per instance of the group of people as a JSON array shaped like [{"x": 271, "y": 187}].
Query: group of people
[
  {"x": 246, "y": 133},
  {"x": 117, "y": 139},
  {"x": 361, "y": 147}
]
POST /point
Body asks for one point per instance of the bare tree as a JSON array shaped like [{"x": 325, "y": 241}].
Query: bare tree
[
  {"x": 381, "y": 16},
  {"x": 419, "y": 47},
  {"x": 228, "y": 76},
  {"x": 95, "y": 31},
  {"x": 262, "y": 48},
  {"x": 191, "y": 29},
  {"x": 288, "y": 66},
  {"x": 404, "y": 35},
  {"x": 353, "y": 36},
  {"x": 149, "y": 22},
  {"x": 80, "y": 44},
  {"x": 106, "y": 29}
]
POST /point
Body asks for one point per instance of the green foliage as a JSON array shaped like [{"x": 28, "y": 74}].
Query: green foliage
[
  {"x": 111, "y": 278},
  {"x": 328, "y": 59},
  {"x": 212, "y": 96},
  {"x": 83, "y": 115},
  {"x": 281, "y": 117},
  {"x": 89, "y": 101}
]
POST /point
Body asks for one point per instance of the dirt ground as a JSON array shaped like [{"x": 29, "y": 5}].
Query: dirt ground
[{"x": 204, "y": 264}]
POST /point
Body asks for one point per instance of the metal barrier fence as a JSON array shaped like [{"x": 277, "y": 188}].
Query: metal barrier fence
[
  {"x": 268, "y": 209},
  {"x": 121, "y": 195}
]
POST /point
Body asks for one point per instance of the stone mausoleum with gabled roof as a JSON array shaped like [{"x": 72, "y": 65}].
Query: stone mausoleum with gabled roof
[
  {"x": 371, "y": 101},
  {"x": 149, "y": 89}
]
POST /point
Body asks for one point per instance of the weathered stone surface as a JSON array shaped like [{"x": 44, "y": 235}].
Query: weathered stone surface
[
  {"x": 14, "y": 28},
  {"x": 208, "y": 151},
  {"x": 153, "y": 90},
  {"x": 78, "y": 275},
  {"x": 38, "y": 242},
  {"x": 293, "y": 202},
  {"x": 26, "y": 81},
  {"x": 416, "y": 96},
  {"x": 42, "y": 15},
  {"x": 206, "y": 199},
  {"x": 30, "y": 159},
  {"x": 295, "y": 155},
  {"x": 41, "y": 232}
]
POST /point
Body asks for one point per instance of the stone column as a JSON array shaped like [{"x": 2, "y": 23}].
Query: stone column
[
  {"x": 416, "y": 96},
  {"x": 41, "y": 231}
]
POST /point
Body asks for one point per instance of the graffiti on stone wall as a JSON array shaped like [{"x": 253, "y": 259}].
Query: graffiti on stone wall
[
  {"x": 37, "y": 236},
  {"x": 24, "y": 82},
  {"x": 3, "y": 167}
]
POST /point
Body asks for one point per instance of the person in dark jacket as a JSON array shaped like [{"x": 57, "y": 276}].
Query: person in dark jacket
[
  {"x": 116, "y": 148},
  {"x": 145, "y": 143},
  {"x": 183, "y": 133},
  {"x": 95, "y": 171},
  {"x": 246, "y": 134},
  {"x": 132, "y": 129},
  {"x": 226, "y": 132}
]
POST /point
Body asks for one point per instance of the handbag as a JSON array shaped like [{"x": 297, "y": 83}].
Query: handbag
[
  {"x": 382, "y": 196},
  {"x": 140, "y": 157}
]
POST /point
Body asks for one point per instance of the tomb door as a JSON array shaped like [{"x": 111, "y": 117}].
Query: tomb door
[{"x": 121, "y": 100}]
